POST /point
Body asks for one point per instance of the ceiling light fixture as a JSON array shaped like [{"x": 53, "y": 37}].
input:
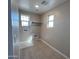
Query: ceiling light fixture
[{"x": 37, "y": 6}]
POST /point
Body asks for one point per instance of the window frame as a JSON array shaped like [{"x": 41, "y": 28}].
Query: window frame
[
  {"x": 50, "y": 21},
  {"x": 28, "y": 21}
]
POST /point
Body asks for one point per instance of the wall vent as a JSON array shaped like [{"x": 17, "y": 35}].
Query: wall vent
[{"x": 44, "y": 2}]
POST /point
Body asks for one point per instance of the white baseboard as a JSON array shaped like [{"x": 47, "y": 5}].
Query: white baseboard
[{"x": 55, "y": 49}]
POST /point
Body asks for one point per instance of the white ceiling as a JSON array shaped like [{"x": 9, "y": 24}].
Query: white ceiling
[{"x": 29, "y": 5}]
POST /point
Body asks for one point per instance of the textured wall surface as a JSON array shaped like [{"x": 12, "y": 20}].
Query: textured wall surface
[{"x": 59, "y": 35}]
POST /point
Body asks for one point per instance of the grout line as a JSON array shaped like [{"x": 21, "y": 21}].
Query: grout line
[{"x": 55, "y": 49}]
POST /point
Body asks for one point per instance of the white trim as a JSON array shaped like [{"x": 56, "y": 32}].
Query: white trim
[{"x": 55, "y": 49}]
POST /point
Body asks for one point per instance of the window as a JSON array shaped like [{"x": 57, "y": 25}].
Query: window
[
  {"x": 50, "y": 23},
  {"x": 24, "y": 20}
]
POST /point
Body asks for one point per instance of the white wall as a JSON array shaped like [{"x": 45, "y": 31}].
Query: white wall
[
  {"x": 59, "y": 35},
  {"x": 24, "y": 35}
]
